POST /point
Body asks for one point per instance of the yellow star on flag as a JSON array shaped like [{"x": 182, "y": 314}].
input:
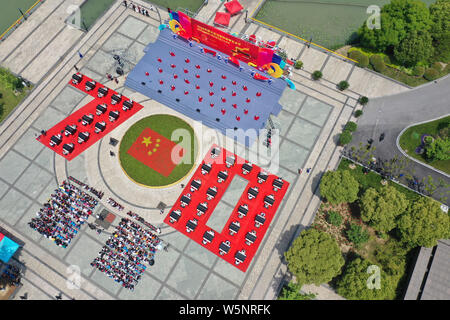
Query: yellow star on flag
[{"x": 147, "y": 141}]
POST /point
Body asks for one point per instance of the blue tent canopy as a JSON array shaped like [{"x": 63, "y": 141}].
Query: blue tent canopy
[{"x": 7, "y": 248}]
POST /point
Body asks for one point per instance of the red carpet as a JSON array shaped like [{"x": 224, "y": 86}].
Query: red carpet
[
  {"x": 75, "y": 119},
  {"x": 155, "y": 151},
  {"x": 247, "y": 223}
]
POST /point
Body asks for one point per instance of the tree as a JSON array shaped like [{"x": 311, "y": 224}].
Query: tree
[
  {"x": 398, "y": 18},
  {"x": 440, "y": 30},
  {"x": 424, "y": 223},
  {"x": 343, "y": 85},
  {"x": 292, "y": 292},
  {"x": 334, "y": 218},
  {"x": 357, "y": 235},
  {"x": 416, "y": 47},
  {"x": 354, "y": 282},
  {"x": 351, "y": 126},
  {"x": 439, "y": 149},
  {"x": 316, "y": 75},
  {"x": 339, "y": 186},
  {"x": 363, "y": 100},
  {"x": 382, "y": 208},
  {"x": 298, "y": 64},
  {"x": 314, "y": 257},
  {"x": 345, "y": 138},
  {"x": 377, "y": 63}
]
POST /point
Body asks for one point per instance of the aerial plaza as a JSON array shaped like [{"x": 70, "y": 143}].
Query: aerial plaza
[{"x": 197, "y": 153}]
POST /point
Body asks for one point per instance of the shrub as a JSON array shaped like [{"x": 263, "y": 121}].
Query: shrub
[
  {"x": 377, "y": 63},
  {"x": 2, "y": 109},
  {"x": 334, "y": 218},
  {"x": 363, "y": 100},
  {"x": 363, "y": 60},
  {"x": 431, "y": 74},
  {"x": 18, "y": 85},
  {"x": 317, "y": 75},
  {"x": 438, "y": 149},
  {"x": 343, "y": 85},
  {"x": 1, "y": 95},
  {"x": 298, "y": 64},
  {"x": 418, "y": 71},
  {"x": 357, "y": 235},
  {"x": 437, "y": 66},
  {"x": 386, "y": 59},
  {"x": 358, "y": 113},
  {"x": 339, "y": 186},
  {"x": 351, "y": 126},
  {"x": 345, "y": 138}
]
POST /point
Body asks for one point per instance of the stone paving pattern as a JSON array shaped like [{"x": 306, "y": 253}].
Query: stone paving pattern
[{"x": 311, "y": 119}]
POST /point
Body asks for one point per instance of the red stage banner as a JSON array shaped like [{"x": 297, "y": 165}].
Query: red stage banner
[
  {"x": 224, "y": 42},
  {"x": 156, "y": 152}
]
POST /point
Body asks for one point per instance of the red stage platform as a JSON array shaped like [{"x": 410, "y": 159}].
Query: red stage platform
[
  {"x": 238, "y": 242},
  {"x": 233, "y": 7},
  {"x": 84, "y": 135}
]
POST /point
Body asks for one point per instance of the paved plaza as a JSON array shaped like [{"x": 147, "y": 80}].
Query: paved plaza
[{"x": 310, "y": 121}]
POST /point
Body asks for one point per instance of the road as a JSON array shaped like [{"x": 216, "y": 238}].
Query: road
[{"x": 391, "y": 114}]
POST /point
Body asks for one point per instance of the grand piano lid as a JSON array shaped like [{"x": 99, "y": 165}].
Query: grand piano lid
[
  {"x": 240, "y": 256},
  {"x": 128, "y": 103},
  {"x": 224, "y": 247},
  {"x": 91, "y": 84},
  {"x": 262, "y": 175},
  {"x": 253, "y": 191},
  {"x": 114, "y": 114},
  {"x": 223, "y": 175},
  {"x": 68, "y": 147},
  {"x": 260, "y": 219},
  {"x": 116, "y": 97},
  {"x": 77, "y": 76},
  {"x": 278, "y": 183},
  {"x": 196, "y": 183},
  {"x": 247, "y": 166},
  {"x": 202, "y": 207},
  {"x": 88, "y": 118},
  {"x": 102, "y": 107},
  {"x": 175, "y": 214},
  {"x": 211, "y": 192},
  {"x": 270, "y": 199},
  {"x": 250, "y": 237},
  {"x": 242, "y": 209},
  {"x": 100, "y": 125},
  {"x": 103, "y": 90},
  {"x": 191, "y": 224},
  {"x": 206, "y": 167},
  {"x": 83, "y": 135},
  {"x": 185, "y": 199},
  {"x": 56, "y": 139},
  {"x": 71, "y": 128},
  {"x": 234, "y": 226}
]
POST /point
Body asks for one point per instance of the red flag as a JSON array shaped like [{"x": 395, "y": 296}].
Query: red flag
[{"x": 156, "y": 152}]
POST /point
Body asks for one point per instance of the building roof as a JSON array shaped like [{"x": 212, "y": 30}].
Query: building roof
[{"x": 430, "y": 279}]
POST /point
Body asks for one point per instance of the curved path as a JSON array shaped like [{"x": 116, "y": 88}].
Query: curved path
[{"x": 391, "y": 114}]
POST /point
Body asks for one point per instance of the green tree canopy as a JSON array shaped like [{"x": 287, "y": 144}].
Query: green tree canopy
[
  {"x": 424, "y": 223},
  {"x": 314, "y": 257},
  {"x": 398, "y": 19},
  {"x": 381, "y": 208},
  {"x": 353, "y": 284},
  {"x": 339, "y": 186},
  {"x": 440, "y": 30},
  {"x": 292, "y": 292},
  {"x": 439, "y": 149},
  {"x": 416, "y": 47}
]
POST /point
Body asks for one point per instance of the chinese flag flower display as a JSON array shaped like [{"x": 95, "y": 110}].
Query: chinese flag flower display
[{"x": 156, "y": 152}]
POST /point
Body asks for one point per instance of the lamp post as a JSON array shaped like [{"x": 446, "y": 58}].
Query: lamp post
[{"x": 23, "y": 15}]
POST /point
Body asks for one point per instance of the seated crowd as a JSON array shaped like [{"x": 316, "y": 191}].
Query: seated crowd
[
  {"x": 98, "y": 194},
  {"x": 143, "y": 221},
  {"x": 113, "y": 202},
  {"x": 125, "y": 252},
  {"x": 63, "y": 215}
]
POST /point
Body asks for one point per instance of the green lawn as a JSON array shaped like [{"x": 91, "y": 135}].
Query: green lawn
[
  {"x": 411, "y": 139},
  {"x": 191, "y": 5},
  {"x": 139, "y": 172},
  {"x": 10, "y": 99},
  {"x": 10, "y": 12}
]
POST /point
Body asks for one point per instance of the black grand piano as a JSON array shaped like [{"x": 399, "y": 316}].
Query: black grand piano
[
  {"x": 100, "y": 127},
  {"x": 242, "y": 210},
  {"x": 252, "y": 193},
  {"x": 260, "y": 219},
  {"x": 87, "y": 119},
  {"x": 240, "y": 257},
  {"x": 103, "y": 91},
  {"x": 83, "y": 137},
  {"x": 277, "y": 184},
  {"x": 55, "y": 140},
  {"x": 269, "y": 201},
  {"x": 68, "y": 148},
  {"x": 185, "y": 200},
  {"x": 247, "y": 168},
  {"x": 191, "y": 225},
  {"x": 206, "y": 168},
  {"x": 70, "y": 130},
  {"x": 90, "y": 85},
  {"x": 215, "y": 152},
  {"x": 127, "y": 105},
  {"x": 250, "y": 237},
  {"x": 195, "y": 185},
  {"x": 113, "y": 115},
  {"x": 208, "y": 237},
  {"x": 115, "y": 98},
  {"x": 101, "y": 109},
  {"x": 262, "y": 177},
  {"x": 76, "y": 78},
  {"x": 230, "y": 161},
  {"x": 211, "y": 193},
  {"x": 201, "y": 208},
  {"x": 222, "y": 176},
  {"x": 234, "y": 227},
  {"x": 224, "y": 247},
  {"x": 174, "y": 216}
]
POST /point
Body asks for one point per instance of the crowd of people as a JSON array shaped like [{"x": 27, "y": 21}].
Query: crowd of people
[
  {"x": 124, "y": 256},
  {"x": 10, "y": 275},
  {"x": 98, "y": 194},
  {"x": 138, "y": 9},
  {"x": 114, "y": 204},
  {"x": 62, "y": 216},
  {"x": 142, "y": 220}
]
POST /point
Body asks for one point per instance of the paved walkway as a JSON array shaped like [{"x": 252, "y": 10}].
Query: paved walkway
[{"x": 311, "y": 119}]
